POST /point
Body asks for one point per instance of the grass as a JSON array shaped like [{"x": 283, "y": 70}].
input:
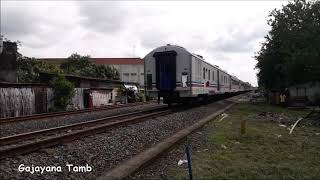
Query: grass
[{"x": 259, "y": 153}]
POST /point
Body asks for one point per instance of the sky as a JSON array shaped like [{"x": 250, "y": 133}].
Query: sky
[{"x": 225, "y": 33}]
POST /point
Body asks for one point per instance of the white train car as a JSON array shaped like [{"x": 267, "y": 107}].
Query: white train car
[
  {"x": 235, "y": 84},
  {"x": 207, "y": 79},
  {"x": 175, "y": 74}
]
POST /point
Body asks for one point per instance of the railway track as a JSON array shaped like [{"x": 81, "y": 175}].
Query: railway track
[
  {"x": 128, "y": 167},
  {"x": 32, "y": 141},
  {"x": 63, "y": 113}
]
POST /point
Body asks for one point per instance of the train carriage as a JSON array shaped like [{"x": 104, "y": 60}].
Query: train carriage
[
  {"x": 177, "y": 75},
  {"x": 235, "y": 84}
]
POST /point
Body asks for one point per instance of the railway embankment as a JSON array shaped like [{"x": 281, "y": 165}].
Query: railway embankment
[{"x": 250, "y": 141}]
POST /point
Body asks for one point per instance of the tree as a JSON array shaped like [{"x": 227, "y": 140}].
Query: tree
[
  {"x": 80, "y": 65},
  {"x": 28, "y": 69},
  {"x": 75, "y": 64},
  {"x": 291, "y": 51}
]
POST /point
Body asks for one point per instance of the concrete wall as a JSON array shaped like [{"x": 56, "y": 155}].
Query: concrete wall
[
  {"x": 50, "y": 99},
  {"x": 77, "y": 99},
  {"x": 16, "y": 102},
  {"x": 101, "y": 97},
  {"x": 20, "y": 101}
]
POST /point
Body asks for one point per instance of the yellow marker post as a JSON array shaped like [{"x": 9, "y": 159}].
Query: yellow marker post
[{"x": 243, "y": 125}]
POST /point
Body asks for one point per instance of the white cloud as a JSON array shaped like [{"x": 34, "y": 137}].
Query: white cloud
[{"x": 225, "y": 33}]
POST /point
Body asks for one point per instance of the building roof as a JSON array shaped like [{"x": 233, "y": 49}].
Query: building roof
[
  {"x": 82, "y": 77},
  {"x": 102, "y": 61},
  {"x": 117, "y": 61},
  {"x": 53, "y": 60},
  {"x": 10, "y": 84}
]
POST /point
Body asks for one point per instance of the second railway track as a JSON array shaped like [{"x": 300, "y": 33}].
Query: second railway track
[
  {"x": 33, "y": 141},
  {"x": 64, "y": 113},
  {"x": 20, "y": 143}
]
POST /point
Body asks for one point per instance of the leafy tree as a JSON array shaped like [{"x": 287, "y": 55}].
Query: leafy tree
[
  {"x": 75, "y": 64},
  {"x": 81, "y": 65},
  {"x": 291, "y": 51},
  {"x": 28, "y": 69}
]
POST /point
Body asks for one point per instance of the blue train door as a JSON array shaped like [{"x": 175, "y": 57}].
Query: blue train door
[
  {"x": 166, "y": 70},
  {"x": 165, "y": 80}
]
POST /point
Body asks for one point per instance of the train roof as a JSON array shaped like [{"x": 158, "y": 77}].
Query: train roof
[
  {"x": 168, "y": 47},
  {"x": 182, "y": 49}
]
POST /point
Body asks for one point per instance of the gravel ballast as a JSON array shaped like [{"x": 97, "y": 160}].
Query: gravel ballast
[
  {"x": 105, "y": 151},
  {"x": 33, "y": 125}
]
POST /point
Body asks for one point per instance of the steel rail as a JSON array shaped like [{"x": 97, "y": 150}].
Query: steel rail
[
  {"x": 62, "y": 113},
  {"x": 127, "y": 167},
  {"x": 25, "y": 136},
  {"x": 52, "y": 141}
]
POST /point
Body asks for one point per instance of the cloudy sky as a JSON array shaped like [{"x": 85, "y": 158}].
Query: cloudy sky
[{"x": 226, "y": 34}]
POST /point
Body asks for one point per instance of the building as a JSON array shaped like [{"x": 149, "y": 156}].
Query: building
[
  {"x": 300, "y": 95},
  {"x": 102, "y": 91},
  {"x": 20, "y": 99},
  {"x": 131, "y": 70},
  {"x": 308, "y": 93}
]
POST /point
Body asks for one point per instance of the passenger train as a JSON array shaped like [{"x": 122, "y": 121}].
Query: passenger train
[{"x": 176, "y": 75}]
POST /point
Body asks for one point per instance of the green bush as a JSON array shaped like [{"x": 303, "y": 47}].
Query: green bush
[
  {"x": 140, "y": 97},
  {"x": 63, "y": 92}
]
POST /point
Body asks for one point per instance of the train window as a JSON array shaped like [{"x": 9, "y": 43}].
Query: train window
[
  {"x": 184, "y": 80},
  {"x": 213, "y": 75},
  {"x": 199, "y": 70},
  {"x": 209, "y": 75},
  {"x": 204, "y": 73}
]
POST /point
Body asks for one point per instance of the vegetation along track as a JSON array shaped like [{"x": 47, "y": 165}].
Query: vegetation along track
[
  {"x": 63, "y": 113},
  {"x": 13, "y": 145}
]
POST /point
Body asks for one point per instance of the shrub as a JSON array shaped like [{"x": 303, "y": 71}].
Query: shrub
[
  {"x": 140, "y": 97},
  {"x": 63, "y": 92}
]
